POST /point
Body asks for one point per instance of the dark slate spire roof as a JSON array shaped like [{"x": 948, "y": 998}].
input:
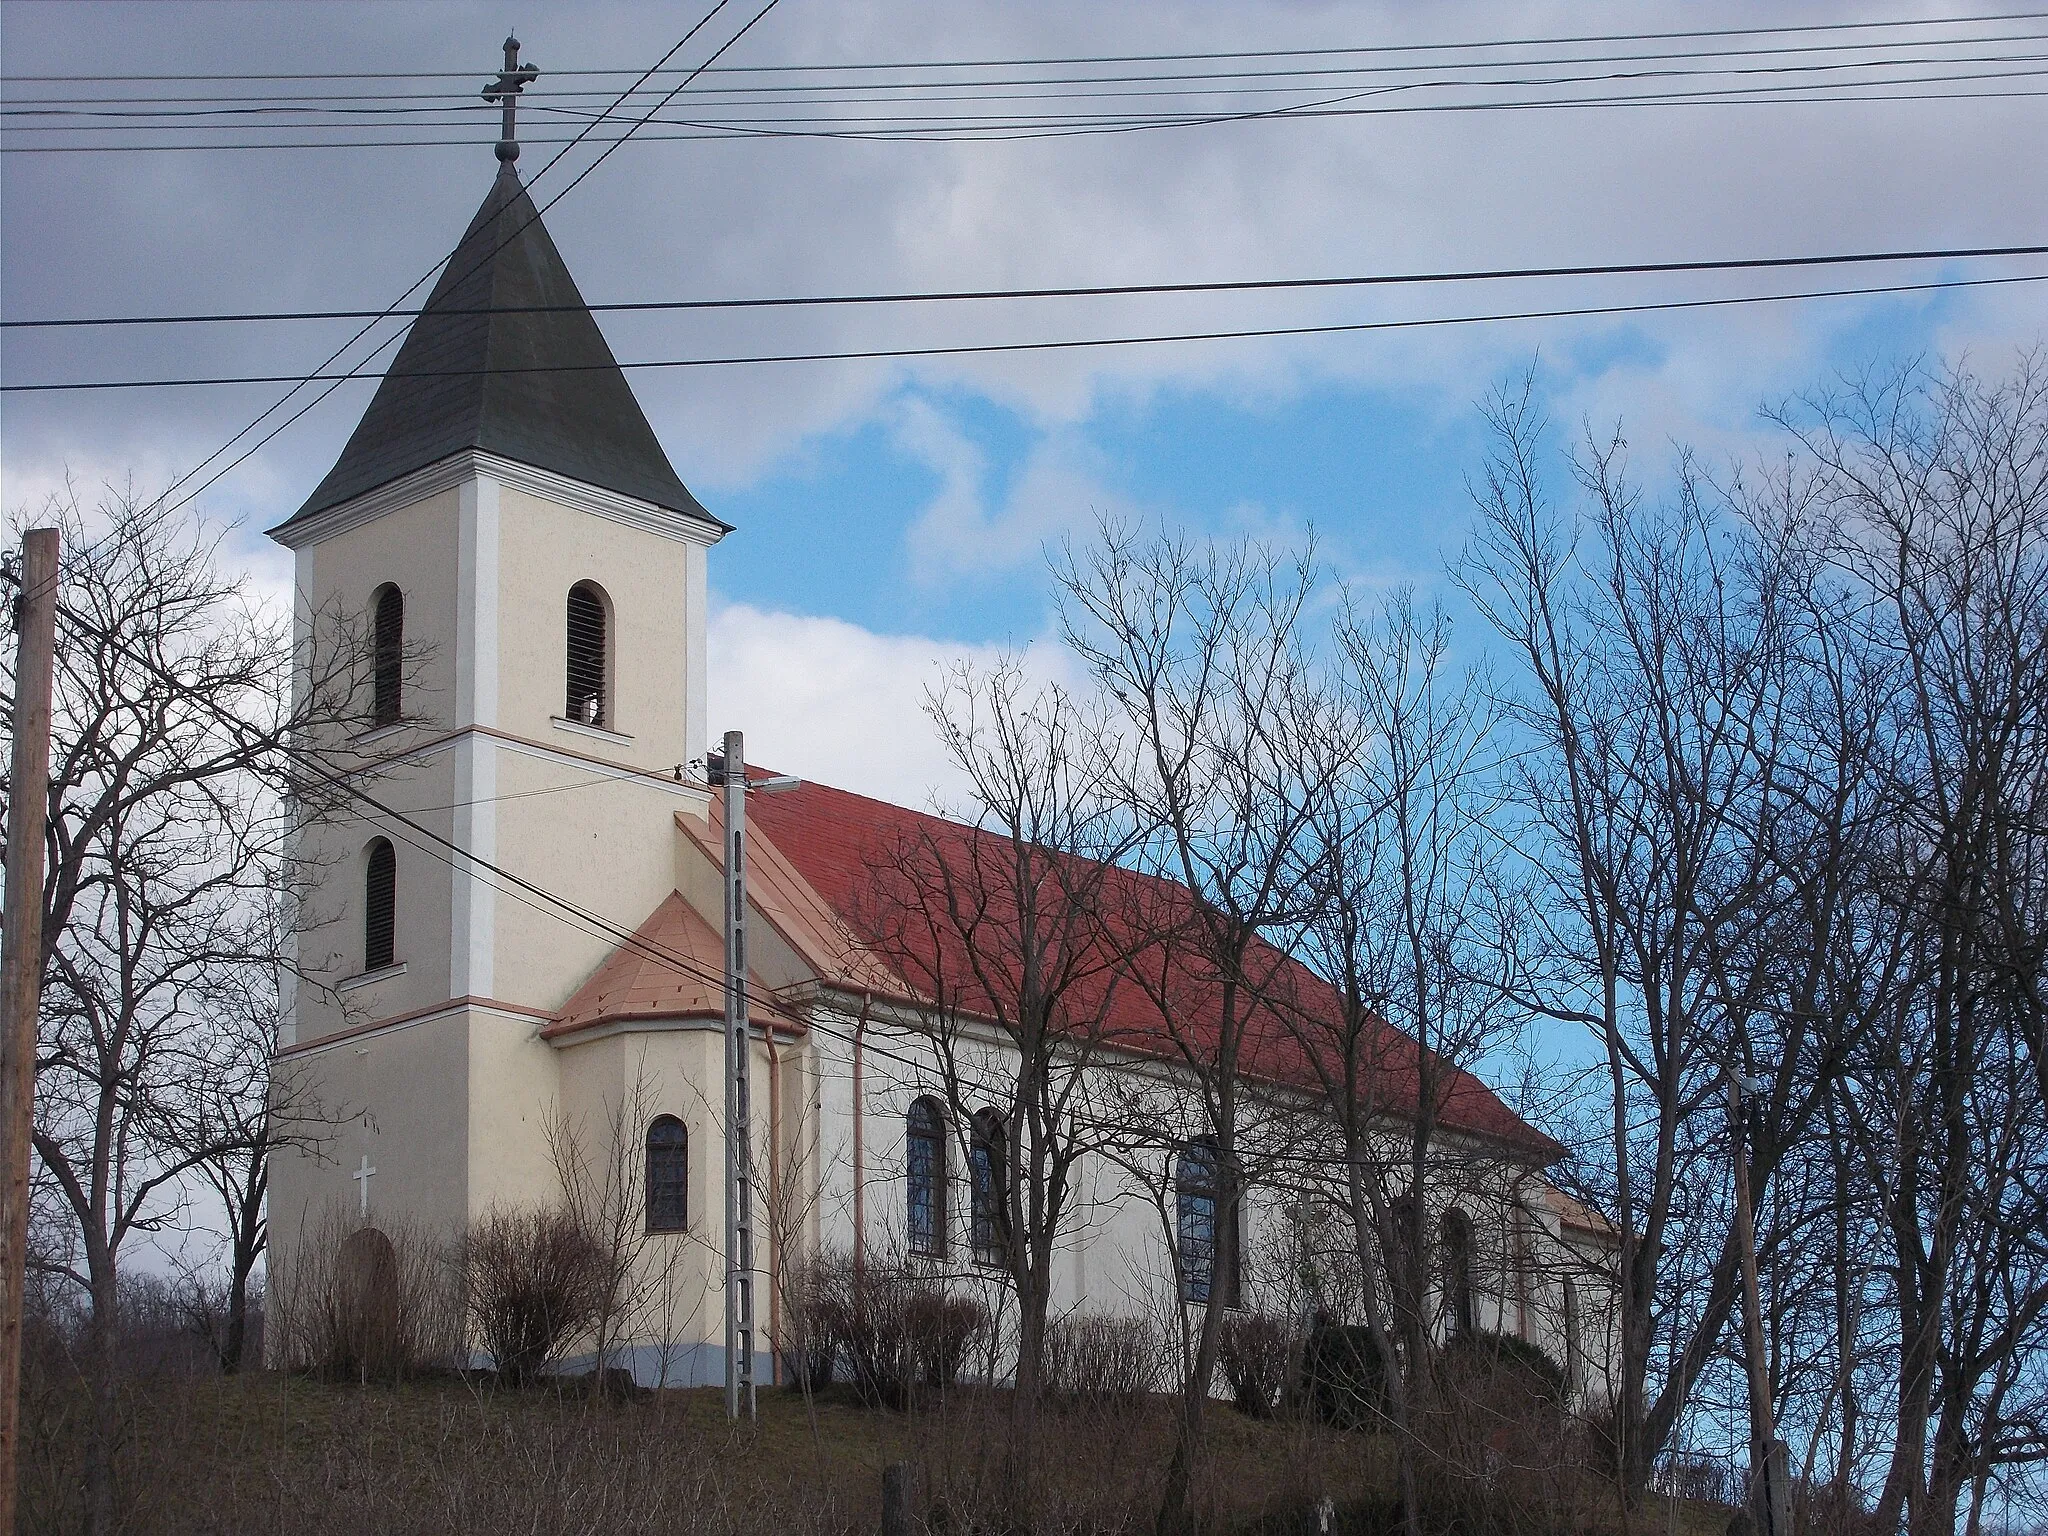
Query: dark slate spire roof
[{"x": 456, "y": 382}]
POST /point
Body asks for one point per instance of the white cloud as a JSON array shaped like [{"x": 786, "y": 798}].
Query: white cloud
[
  {"x": 968, "y": 528},
  {"x": 840, "y": 704}
]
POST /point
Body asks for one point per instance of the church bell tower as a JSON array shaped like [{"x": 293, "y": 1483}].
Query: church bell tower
[{"x": 506, "y": 525}]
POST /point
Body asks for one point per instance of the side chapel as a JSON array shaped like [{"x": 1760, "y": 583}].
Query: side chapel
[{"x": 505, "y": 522}]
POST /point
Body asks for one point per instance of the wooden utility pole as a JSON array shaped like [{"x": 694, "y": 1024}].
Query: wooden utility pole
[{"x": 21, "y": 963}]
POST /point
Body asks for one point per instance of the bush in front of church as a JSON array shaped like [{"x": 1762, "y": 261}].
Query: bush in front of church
[
  {"x": 354, "y": 1302},
  {"x": 1093, "y": 1358},
  {"x": 532, "y": 1281},
  {"x": 889, "y": 1326}
]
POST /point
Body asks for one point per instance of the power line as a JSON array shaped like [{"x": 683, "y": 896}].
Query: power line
[
  {"x": 1111, "y": 290},
  {"x": 975, "y": 349},
  {"x": 1080, "y": 59},
  {"x": 999, "y": 131},
  {"x": 131, "y": 105},
  {"x": 125, "y": 118}
]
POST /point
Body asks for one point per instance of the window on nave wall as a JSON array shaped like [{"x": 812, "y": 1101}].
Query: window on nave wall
[
  {"x": 1199, "y": 1211},
  {"x": 988, "y": 1170},
  {"x": 925, "y": 1176},
  {"x": 1456, "y": 1235}
]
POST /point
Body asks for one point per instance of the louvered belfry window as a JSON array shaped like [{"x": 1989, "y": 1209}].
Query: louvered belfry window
[
  {"x": 380, "y": 907},
  {"x": 388, "y": 658},
  {"x": 587, "y": 704}
]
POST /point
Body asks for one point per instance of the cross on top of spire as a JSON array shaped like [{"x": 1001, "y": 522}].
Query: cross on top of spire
[{"x": 512, "y": 79}]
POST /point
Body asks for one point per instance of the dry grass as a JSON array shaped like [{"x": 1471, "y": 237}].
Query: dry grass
[{"x": 285, "y": 1453}]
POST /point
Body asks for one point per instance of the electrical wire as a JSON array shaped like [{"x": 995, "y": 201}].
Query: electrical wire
[
  {"x": 971, "y": 349},
  {"x": 179, "y": 107},
  {"x": 1108, "y": 290},
  {"x": 1805, "y": 29},
  {"x": 955, "y": 127},
  {"x": 1015, "y": 133}
]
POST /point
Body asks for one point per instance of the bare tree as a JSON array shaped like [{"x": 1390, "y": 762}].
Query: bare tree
[
  {"x": 1000, "y": 921},
  {"x": 1935, "y": 490},
  {"x": 1699, "y": 811},
  {"x": 1415, "y": 925},
  {"x": 173, "y": 747},
  {"x": 1200, "y": 648}
]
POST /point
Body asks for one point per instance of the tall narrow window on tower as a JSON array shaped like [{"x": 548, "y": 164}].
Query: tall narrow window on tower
[
  {"x": 588, "y": 702},
  {"x": 388, "y": 657},
  {"x": 380, "y": 906}
]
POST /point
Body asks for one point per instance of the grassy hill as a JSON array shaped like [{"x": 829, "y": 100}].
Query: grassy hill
[{"x": 268, "y": 1452}]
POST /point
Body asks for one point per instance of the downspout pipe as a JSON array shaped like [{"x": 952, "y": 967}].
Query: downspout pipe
[{"x": 860, "y": 1207}]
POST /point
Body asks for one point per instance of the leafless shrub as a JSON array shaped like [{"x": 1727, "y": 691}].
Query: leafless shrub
[
  {"x": 891, "y": 1327},
  {"x": 355, "y": 1302},
  {"x": 1103, "y": 1359},
  {"x": 532, "y": 1280},
  {"x": 808, "y": 1343},
  {"x": 1254, "y": 1356}
]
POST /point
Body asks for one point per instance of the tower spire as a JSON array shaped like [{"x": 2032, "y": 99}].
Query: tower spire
[{"x": 512, "y": 79}]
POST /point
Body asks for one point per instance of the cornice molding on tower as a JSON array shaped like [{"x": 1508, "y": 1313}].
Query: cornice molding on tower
[{"x": 445, "y": 474}]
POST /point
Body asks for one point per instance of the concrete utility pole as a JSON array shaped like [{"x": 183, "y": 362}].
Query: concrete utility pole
[
  {"x": 739, "y": 1171},
  {"x": 1769, "y": 1495},
  {"x": 21, "y": 963}
]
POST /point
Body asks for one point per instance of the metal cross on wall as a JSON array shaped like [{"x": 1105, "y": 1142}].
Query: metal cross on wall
[
  {"x": 512, "y": 79},
  {"x": 363, "y": 1174}
]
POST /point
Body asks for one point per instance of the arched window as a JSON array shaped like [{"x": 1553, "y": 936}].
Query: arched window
[
  {"x": 668, "y": 1175},
  {"x": 988, "y": 1169},
  {"x": 1574, "y": 1348},
  {"x": 380, "y": 905},
  {"x": 925, "y": 1170},
  {"x": 589, "y": 700},
  {"x": 1199, "y": 1208},
  {"x": 387, "y": 660},
  {"x": 1457, "y": 1251}
]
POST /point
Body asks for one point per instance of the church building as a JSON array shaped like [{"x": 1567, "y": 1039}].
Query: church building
[{"x": 513, "y": 935}]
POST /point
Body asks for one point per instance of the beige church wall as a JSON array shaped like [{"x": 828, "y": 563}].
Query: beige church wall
[
  {"x": 544, "y": 549},
  {"x": 602, "y": 843},
  {"x": 413, "y": 547},
  {"x": 331, "y": 944},
  {"x": 617, "y": 1085},
  {"x": 415, "y": 1081},
  {"x": 514, "y": 1089},
  {"x": 1115, "y": 1257}
]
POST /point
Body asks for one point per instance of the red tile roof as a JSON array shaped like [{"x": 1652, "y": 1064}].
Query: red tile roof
[
  {"x": 852, "y": 850},
  {"x": 637, "y": 982}
]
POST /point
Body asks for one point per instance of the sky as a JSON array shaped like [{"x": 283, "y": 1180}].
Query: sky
[{"x": 893, "y": 515}]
